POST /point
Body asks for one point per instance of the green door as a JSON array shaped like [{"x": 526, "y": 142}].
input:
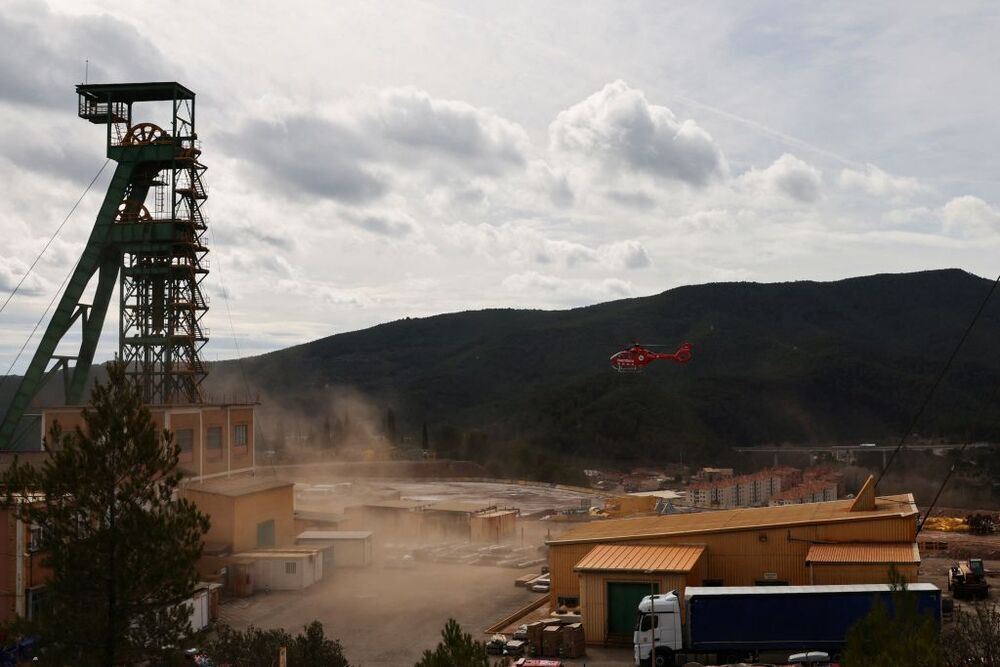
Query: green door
[
  {"x": 265, "y": 533},
  {"x": 623, "y": 605}
]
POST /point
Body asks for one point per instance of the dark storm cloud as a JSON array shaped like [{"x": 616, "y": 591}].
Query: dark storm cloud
[
  {"x": 311, "y": 155},
  {"x": 474, "y": 137},
  {"x": 351, "y": 158},
  {"x": 44, "y": 54},
  {"x": 74, "y": 158}
]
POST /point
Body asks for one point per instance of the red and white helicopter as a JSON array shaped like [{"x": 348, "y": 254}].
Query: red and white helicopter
[{"x": 633, "y": 359}]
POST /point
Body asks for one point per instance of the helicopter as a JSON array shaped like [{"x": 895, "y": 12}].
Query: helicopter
[{"x": 636, "y": 357}]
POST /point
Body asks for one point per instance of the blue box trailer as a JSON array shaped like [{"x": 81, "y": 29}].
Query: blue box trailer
[{"x": 721, "y": 619}]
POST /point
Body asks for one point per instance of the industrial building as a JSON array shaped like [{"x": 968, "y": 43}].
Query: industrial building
[
  {"x": 216, "y": 440},
  {"x": 341, "y": 548},
  {"x": 287, "y": 569},
  {"x": 605, "y": 567},
  {"x": 429, "y": 521},
  {"x": 247, "y": 512}
]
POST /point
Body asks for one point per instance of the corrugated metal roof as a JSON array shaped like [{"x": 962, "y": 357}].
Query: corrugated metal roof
[
  {"x": 639, "y": 558},
  {"x": 335, "y": 535},
  {"x": 237, "y": 486},
  {"x": 864, "y": 552},
  {"x": 393, "y": 504},
  {"x": 722, "y": 591},
  {"x": 496, "y": 513},
  {"x": 611, "y": 530},
  {"x": 284, "y": 552}
]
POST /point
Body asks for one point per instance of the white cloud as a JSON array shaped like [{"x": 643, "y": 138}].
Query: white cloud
[
  {"x": 572, "y": 291},
  {"x": 521, "y": 243},
  {"x": 626, "y": 254},
  {"x": 970, "y": 216},
  {"x": 788, "y": 176},
  {"x": 617, "y": 128},
  {"x": 876, "y": 182}
]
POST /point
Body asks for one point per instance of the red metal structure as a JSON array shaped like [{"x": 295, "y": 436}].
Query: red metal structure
[{"x": 633, "y": 359}]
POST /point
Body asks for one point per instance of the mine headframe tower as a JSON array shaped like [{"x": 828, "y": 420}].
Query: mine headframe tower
[{"x": 153, "y": 247}]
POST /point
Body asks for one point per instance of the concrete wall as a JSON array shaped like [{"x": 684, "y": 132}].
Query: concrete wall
[
  {"x": 346, "y": 552},
  {"x": 274, "y": 504},
  {"x": 234, "y": 519},
  {"x": 221, "y": 511},
  {"x": 493, "y": 527},
  {"x": 272, "y": 572}
]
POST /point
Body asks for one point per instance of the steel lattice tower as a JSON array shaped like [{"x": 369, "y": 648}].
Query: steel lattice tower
[{"x": 156, "y": 251}]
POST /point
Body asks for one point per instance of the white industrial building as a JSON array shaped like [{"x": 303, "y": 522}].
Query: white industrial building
[
  {"x": 341, "y": 548},
  {"x": 287, "y": 569}
]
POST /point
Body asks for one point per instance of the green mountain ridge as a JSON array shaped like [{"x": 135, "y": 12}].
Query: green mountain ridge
[{"x": 796, "y": 362}]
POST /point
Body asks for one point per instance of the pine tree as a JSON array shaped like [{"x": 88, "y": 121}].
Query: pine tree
[
  {"x": 901, "y": 635},
  {"x": 255, "y": 647},
  {"x": 456, "y": 649},
  {"x": 120, "y": 548}
]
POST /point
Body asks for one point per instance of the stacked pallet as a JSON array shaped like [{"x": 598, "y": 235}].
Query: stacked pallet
[
  {"x": 573, "y": 641},
  {"x": 551, "y": 641}
]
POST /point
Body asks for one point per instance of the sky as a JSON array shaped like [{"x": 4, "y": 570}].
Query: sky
[{"x": 375, "y": 160}]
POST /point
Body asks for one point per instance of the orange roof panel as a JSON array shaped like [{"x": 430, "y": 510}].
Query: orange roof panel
[
  {"x": 864, "y": 552},
  {"x": 639, "y": 558}
]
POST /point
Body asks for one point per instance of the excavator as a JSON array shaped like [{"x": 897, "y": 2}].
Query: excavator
[{"x": 967, "y": 580}]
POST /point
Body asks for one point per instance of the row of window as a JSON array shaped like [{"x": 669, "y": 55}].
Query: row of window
[{"x": 184, "y": 437}]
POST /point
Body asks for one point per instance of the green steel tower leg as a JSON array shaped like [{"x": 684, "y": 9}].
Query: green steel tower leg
[
  {"x": 107, "y": 278},
  {"x": 95, "y": 255}
]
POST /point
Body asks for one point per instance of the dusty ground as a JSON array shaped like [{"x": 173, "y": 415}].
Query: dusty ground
[
  {"x": 390, "y": 616},
  {"x": 386, "y": 616}
]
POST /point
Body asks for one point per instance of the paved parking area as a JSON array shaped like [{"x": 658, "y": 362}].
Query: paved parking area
[{"x": 386, "y": 616}]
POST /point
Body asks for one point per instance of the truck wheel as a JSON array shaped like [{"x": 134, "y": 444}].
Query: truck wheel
[{"x": 663, "y": 657}]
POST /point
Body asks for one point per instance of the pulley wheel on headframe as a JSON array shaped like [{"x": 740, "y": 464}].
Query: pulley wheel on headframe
[
  {"x": 131, "y": 210},
  {"x": 142, "y": 134}
]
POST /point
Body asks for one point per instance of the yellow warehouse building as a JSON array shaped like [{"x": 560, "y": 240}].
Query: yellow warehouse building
[{"x": 605, "y": 567}]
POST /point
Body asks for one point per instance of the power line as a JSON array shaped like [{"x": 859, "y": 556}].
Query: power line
[
  {"x": 968, "y": 437},
  {"x": 937, "y": 382},
  {"x": 53, "y": 237},
  {"x": 229, "y": 315},
  {"x": 39, "y": 322}
]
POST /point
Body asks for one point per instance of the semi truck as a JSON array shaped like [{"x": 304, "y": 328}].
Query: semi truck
[{"x": 734, "y": 623}]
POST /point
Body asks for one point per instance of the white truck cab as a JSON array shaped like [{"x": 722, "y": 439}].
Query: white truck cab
[{"x": 658, "y": 632}]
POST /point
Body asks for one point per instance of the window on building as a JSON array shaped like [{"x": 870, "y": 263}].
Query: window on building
[
  {"x": 570, "y": 602},
  {"x": 290, "y": 567},
  {"x": 240, "y": 439},
  {"x": 36, "y": 600},
  {"x": 213, "y": 442},
  {"x": 184, "y": 437},
  {"x": 265, "y": 533},
  {"x": 35, "y": 538}
]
